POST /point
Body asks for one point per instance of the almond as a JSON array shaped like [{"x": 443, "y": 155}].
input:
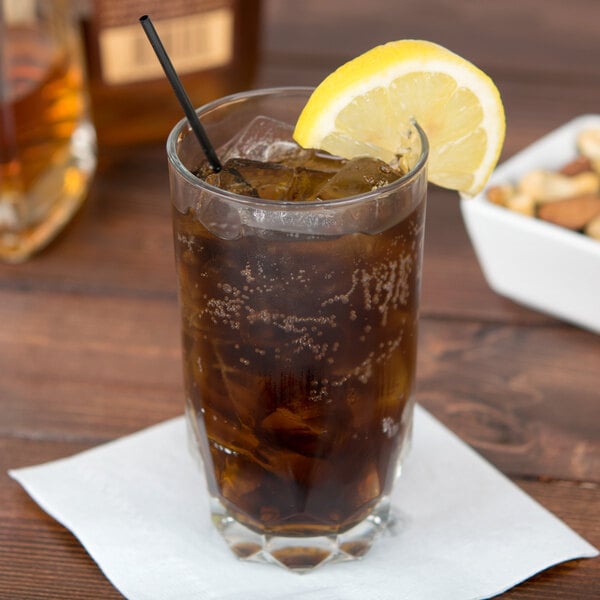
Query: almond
[
  {"x": 576, "y": 166},
  {"x": 572, "y": 213}
]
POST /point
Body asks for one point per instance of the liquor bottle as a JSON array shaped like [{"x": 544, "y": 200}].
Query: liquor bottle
[{"x": 213, "y": 45}]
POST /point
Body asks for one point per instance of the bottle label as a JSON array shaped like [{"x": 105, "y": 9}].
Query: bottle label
[{"x": 194, "y": 41}]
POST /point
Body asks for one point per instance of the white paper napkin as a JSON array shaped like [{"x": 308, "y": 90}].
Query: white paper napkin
[{"x": 139, "y": 507}]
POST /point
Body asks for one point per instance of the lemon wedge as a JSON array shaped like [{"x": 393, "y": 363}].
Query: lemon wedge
[{"x": 365, "y": 107}]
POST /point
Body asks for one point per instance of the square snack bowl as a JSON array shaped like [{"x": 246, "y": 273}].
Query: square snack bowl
[{"x": 535, "y": 263}]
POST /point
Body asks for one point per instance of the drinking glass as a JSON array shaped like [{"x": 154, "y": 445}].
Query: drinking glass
[
  {"x": 47, "y": 143},
  {"x": 299, "y": 324}
]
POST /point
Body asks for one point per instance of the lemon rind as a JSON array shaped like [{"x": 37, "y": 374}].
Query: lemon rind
[{"x": 379, "y": 68}]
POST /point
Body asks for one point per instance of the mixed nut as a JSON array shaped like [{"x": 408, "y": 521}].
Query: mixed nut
[{"x": 569, "y": 197}]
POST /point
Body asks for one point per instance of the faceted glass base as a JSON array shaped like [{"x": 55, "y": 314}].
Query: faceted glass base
[{"x": 300, "y": 554}]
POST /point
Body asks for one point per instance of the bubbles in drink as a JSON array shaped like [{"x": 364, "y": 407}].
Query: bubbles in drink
[{"x": 300, "y": 335}]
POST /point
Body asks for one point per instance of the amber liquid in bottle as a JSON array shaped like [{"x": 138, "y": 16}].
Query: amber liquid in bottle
[
  {"x": 213, "y": 45},
  {"x": 47, "y": 146}
]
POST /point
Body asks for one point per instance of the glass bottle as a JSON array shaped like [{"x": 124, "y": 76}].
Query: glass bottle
[
  {"x": 213, "y": 45},
  {"x": 47, "y": 143}
]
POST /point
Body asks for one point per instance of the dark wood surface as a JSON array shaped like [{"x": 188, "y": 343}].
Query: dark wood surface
[{"x": 89, "y": 339}]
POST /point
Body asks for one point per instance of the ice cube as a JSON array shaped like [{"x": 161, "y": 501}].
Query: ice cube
[
  {"x": 269, "y": 140},
  {"x": 310, "y": 159},
  {"x": 358, "y": 176},
  {"x": 282, "y": 420},
  {"x": 272, "y": 181},
  {"x": 260, "y": 140},
  {"x": 231, "y": 180},
  {"x": 369, "y": 487},
  {"x": 306, "y": 184},
  {"x": 239, "y": 478}
]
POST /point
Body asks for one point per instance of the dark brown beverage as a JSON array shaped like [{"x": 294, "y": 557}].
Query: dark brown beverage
[
  {"x": 299, "y": 287},
  {"x": 299, "y": 361}
]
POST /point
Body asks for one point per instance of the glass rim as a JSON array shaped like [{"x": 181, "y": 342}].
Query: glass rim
[{"x": 175, "y": 161}]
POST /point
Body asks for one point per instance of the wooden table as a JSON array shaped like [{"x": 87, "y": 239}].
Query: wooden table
[{"x": 89, "y": 336}]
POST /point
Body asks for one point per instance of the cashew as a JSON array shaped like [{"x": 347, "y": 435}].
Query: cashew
[
  {"x": 507, "y": 195},
  {"x": 546, "y": 186},
  {"x": 588, "y": 142},
  {"x": 522, "y": 203},
  {"x": 593, "y": 228},
  {"x": 500, "y": 194}
]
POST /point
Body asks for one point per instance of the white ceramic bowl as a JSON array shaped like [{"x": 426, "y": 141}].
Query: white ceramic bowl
[{"x": 535, "y": 263}]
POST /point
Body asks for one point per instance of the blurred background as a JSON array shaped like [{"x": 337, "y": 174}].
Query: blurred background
[
  {"x": 526, "y": 47},
  {"x": 544, "y": 55}
]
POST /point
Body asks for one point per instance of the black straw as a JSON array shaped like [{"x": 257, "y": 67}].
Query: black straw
[{"x": 181, "y": 94}]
